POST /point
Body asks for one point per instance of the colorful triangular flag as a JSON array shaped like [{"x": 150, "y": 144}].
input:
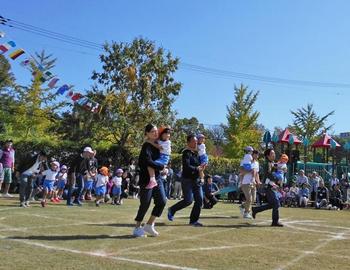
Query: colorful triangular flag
[
  {"x": 16, "y": 54},
  {"x": 53, "y": 82},
  {"x": 62, "y": 89}
]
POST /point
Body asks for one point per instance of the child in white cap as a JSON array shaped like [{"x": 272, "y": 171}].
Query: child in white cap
[{"x": 50, "y": 178}]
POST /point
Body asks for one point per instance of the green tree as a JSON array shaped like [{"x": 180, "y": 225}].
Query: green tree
[
  {"x": 181, "y": 128},
  {"x": 135, "y": 86},
  {"x": 32, "y": 109},
  {"x": 307, "y": 123},
  {"x": 242, "y": 128},
  {"x": 7, "y": 83}
]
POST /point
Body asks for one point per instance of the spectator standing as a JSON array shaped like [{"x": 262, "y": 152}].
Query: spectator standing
[
  {"x": 7, "y": 159},
  {"x": 26, "y": 179},
  {"x": 302, "y": 179}
]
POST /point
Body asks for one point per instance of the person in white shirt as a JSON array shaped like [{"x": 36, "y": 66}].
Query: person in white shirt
[
  {"x": 302, "y": 178},
  {"x": 202, "y": 153},
  {"x": 248, "y": 186},
  {"x": 100, "y": 187},
  {"x": 26, "y": 180},
  {"x": 117, "y": 186},
  {"x": 49, "y": 181}
]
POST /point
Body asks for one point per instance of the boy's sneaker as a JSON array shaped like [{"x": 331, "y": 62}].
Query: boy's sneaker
[
  {"x": 70, "y": 204},
  {"x": 23, "y": 205},
  {"x": 138, "y": 232},
  {"x": 247, "y": 216},
  {"x": 7, "y": 195},
  {"x": 150, "y": 230},
  {"x": 170, "y": 215},
  {"x": 43, "y": 203},
  {"x": 57, "y": 200},
  {"x": 27, "y": 204},
  {"x": 78, "y": 203},
  {"x": 52, "y": 200}
]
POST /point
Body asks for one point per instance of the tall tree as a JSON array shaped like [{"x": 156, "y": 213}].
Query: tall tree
[
  {"x": 135, "y": 86},
  {"x": 7, "y": 83},
  {"x": 307, "y": 123},
  {"x": 32, "y": 107},
  {"x": 242, "y": 129}
]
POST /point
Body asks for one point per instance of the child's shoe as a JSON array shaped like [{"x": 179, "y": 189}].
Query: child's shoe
[{"x": 152, "y": 183}]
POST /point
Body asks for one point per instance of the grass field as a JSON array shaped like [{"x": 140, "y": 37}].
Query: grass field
[{"x": 58, "y": 237}]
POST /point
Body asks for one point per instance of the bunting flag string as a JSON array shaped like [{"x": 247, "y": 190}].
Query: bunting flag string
[{"x": 47, "y": 76}]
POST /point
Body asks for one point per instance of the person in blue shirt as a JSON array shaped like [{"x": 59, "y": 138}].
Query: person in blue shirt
[{"x": 209, "y": 191}]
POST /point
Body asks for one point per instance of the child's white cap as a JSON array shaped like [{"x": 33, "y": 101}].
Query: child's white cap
[
  {"x": 249, "y": 148},
  {"x": 200, "y": 136}
]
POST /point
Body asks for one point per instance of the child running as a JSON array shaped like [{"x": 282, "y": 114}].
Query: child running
[
  {"x": 50, "y": 178},
  {"x": 100, "y": 188},
  {"x": 117, "y": 187},
  {"x": 164, "y": 145},
  {"x": 62, "y": 181}
]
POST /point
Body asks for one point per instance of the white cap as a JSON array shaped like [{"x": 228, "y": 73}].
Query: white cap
[
  {"x": 56, "y": 163},
  {"x": 88, "y": 149}
]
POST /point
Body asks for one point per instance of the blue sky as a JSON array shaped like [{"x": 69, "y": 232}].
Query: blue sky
[{"x": 302, "y": 40}]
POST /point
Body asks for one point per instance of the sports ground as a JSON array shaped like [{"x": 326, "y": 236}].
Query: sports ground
[{"x": 60, "y": 237}]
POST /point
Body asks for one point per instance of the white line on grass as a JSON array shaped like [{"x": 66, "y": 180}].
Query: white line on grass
[{"x": 99, "y": 254}]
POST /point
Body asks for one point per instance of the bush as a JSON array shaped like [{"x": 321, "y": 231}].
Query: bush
[{"x": 217, "y": 165}]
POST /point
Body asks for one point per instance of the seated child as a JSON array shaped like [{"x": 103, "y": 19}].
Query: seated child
[
  {"x": 292, "y": 195},
  {"x": 203, "y": 157},
  {"x": 304, "y": 194},
  {"x": 164, "y": 145}
]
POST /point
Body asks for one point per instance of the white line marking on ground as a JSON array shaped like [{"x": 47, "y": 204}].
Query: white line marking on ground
[
  {"x": 313, "y": 251},
  {"x": 100, "y": 254}
]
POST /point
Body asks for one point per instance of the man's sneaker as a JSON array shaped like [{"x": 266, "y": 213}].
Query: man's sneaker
[
  {"x": 150, "y": 230},
  {"x": 170, "y": 215},
  {"x": 253, "y": 213},
  {"x": 276, "y": 224},
  {"x": 7, "y": 195},
  {"x": 70, "y": 204},
  {"x": 43, "y": 203},
  {"x": 247, "y": 216},
  {"x": 196, "y": 224},
  {"x": 138, "y": 232},
  {"x": 27, "y": 204},
  {"x": 23, "y": 205}
]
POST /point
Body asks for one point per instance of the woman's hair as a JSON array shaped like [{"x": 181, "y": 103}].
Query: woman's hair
[
  {"x": 190, "y": 137},
  {"x": 267, "y": 152},
  {"x": 149, "y": 127}
]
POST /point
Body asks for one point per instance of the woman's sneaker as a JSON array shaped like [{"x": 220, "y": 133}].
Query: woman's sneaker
[
  {"x": 138, "y": 232},
  {"x": 150, "y": 230}
]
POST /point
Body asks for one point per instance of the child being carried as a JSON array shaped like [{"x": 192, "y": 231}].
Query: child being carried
[{"x": 164, "y": 145}]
